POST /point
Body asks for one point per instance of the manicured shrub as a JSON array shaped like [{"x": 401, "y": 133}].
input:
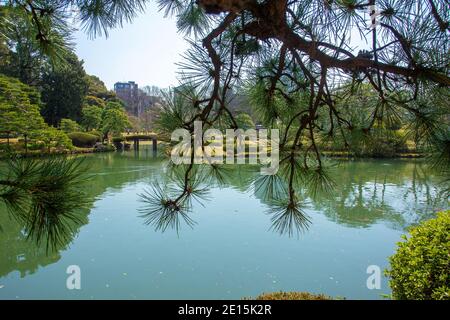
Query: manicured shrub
[
  {"x": 118, "y": 139},
  {"x": 53, "y": 138},
  {"x": 118, "y": 142},
  {"x": 420, "y": 269},
  {"x": 292, "y": 296},
  {"x": 83, "y": 139},
  {"x": 36, "y": 146},
  {"x": 96, "y": 133},
  {"x": 103, "y": 147},
  {"x": 5, "y": 147},
  {"x": 68, "y": 126}
]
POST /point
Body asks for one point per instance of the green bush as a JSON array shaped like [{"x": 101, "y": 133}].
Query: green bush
[
  {"x": 36, "y": 145},
  {"x": 118, "y": 139},
  {"x": 5, "y": 147},
  {"x": 244, "y": 121},
  {"x": 68, "y": 125},
  {"x": 292, "y": 296},
  {"x": 388, "y": 145},
  {"x": 420, "y": 269},
  {"x": 54, "y": 138},
  {"x": 104, "y": 147},
  {"x": 96, "y": 133},
  {"x": 83, "y": 139}
]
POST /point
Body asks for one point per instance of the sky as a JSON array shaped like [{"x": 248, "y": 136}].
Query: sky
[{"x": 144, "y": 51}]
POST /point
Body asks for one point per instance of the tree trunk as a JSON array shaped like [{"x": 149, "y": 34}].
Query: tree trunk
[{"x": 26, "y": 143}]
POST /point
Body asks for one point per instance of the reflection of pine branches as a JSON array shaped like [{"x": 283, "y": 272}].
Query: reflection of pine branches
[
  {"x": 288, "y": 218},
  {"x": 169, "y": 205},
  {"x": 161, "y": 211},
  {"x": 271, "y": 187},
  {"x": 45, "y": 196},
  {"x": 319, "y": 182},
  {"x": 217, "y": 174},
  {"x": 306, "y": 173}
]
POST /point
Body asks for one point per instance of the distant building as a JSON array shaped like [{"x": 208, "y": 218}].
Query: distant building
[
  {"x": 127, "y": 90},
  {"x": 136, "y": 101}
]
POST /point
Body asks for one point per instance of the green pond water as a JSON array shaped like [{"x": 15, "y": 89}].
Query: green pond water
[{"x": 232, "y": 250}]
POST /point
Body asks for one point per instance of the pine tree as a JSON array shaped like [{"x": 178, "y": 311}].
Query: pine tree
[{"x": 296, "y": 62}]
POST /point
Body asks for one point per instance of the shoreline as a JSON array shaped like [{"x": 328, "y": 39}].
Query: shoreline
[
  {"x": 40, "y": 154},
  {"x": 330, "y": 154}
]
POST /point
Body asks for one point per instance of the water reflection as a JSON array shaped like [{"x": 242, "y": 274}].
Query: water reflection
[
  {"x": 397, "y": 193},
  {"x": 110, "y": 172},
  {"x": 18, "y": 252}
]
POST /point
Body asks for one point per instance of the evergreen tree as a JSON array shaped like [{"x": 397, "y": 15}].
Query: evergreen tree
[
  {"x": 68, "y": 125},
  {"x": 114, "y": 119},
  {"x": 64, "y": 88},
  {"x": 19, "y": 108},
  {"x": 91, "y": 117}
]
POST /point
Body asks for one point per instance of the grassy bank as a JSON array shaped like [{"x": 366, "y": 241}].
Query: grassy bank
[{"x": 40, "y": 153}]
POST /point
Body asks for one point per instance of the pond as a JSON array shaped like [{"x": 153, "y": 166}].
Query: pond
[{"x": 231, "y": 250}]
